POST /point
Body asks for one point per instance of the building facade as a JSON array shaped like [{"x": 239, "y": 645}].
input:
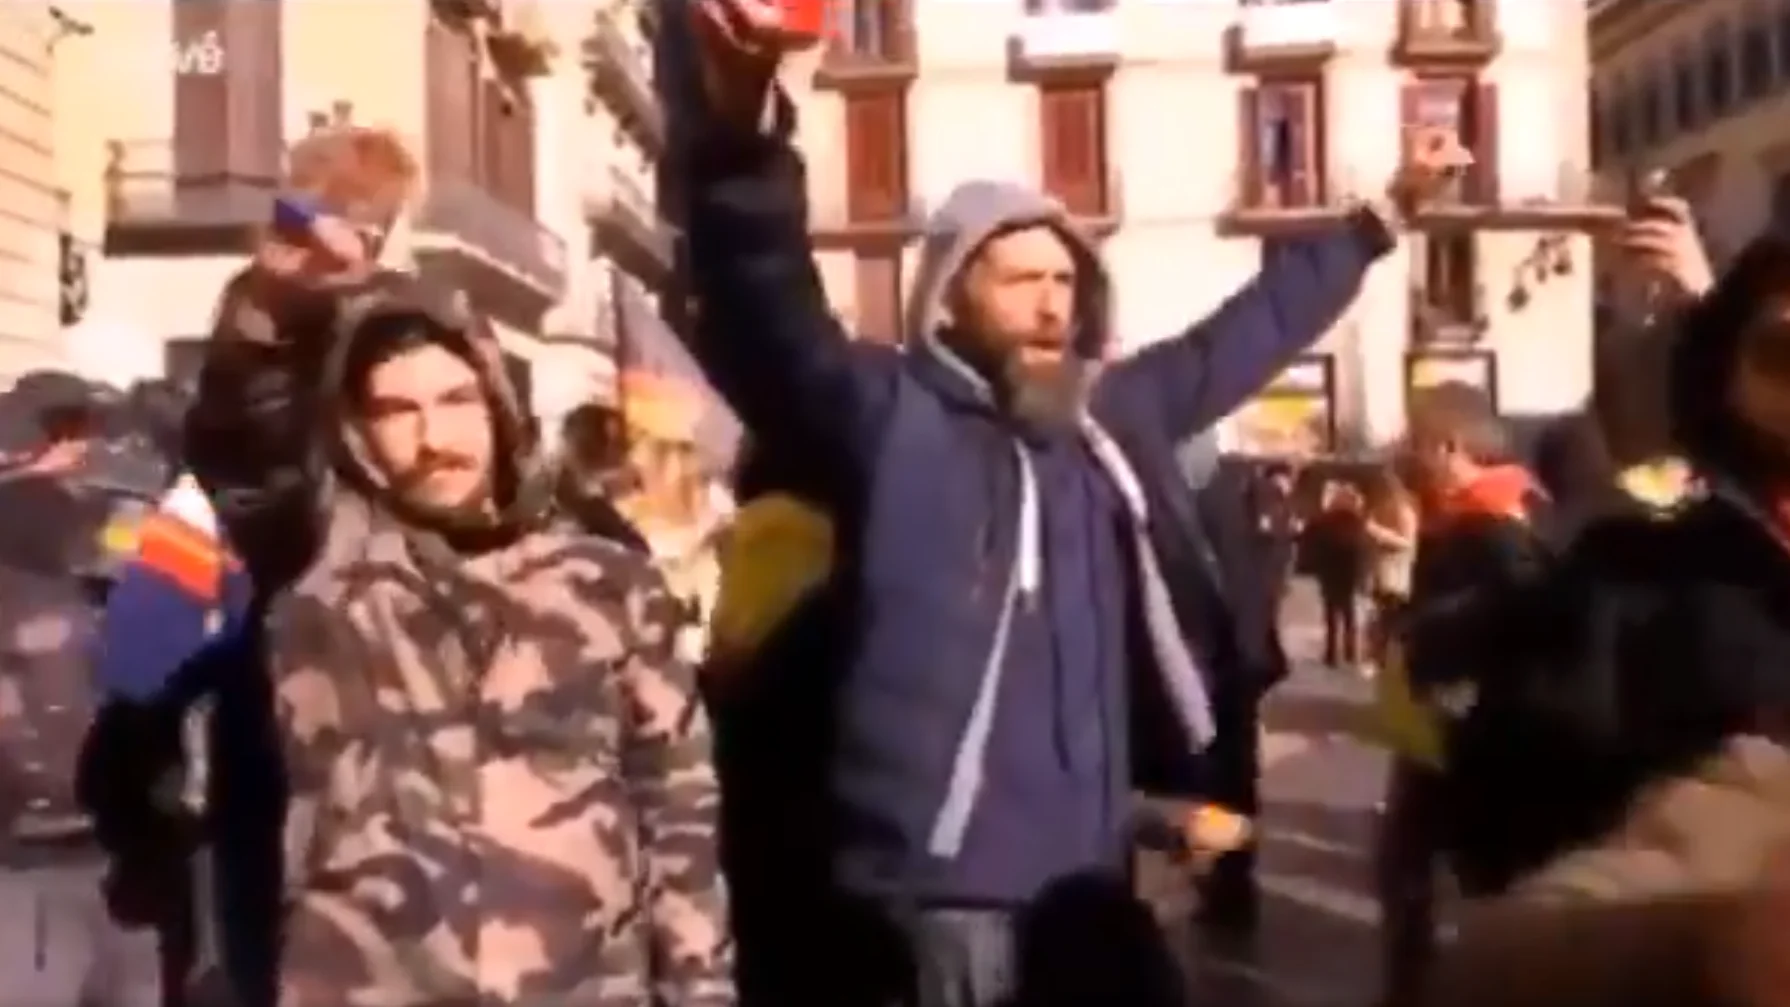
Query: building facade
[
  {"x": 1186, "y": 136},
  {"x": 1702, "y": 92},
  {"x": 31, "y": 202},
  {"x": 173, "y": 119}
]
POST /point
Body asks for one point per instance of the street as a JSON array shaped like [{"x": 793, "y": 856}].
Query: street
[{"x": 1316, "y": 945}]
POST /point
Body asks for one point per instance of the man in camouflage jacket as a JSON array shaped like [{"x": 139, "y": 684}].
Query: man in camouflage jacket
[{"x": 502, "y": 786}]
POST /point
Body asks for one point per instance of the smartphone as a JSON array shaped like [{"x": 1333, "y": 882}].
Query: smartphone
[
  {"x": 294, "y": 218},
  {"x": 1646, "y": 186}
]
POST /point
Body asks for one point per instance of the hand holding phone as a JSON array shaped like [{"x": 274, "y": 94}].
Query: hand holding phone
[
  {"x": 317, "y": 243},
  {"x": 1661, "y": 240}
]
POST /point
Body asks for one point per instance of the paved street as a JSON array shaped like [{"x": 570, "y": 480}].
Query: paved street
[{"x": 1316, "y": 946}]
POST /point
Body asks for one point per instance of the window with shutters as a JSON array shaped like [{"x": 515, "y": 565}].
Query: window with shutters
[
  {"x": 227, "y": 125},
  {"x": 869, "y": 31},
  {"x": 876, "y": 155},
  {"x": 452, "y": 102},
  {"x": 1282, "y": 144},
  {"x": 1072, "y": 154},
  {"x": 1451, "y": 279},
  {"x": 878, "y": 283},
  {"x": 480, "y": 130},
  {"x": 1470, "y": 108}
]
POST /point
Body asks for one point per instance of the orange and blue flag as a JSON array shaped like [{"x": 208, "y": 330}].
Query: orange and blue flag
[{"x": 180, "y": 596}]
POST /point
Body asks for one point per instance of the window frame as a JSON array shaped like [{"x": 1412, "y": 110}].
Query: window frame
[
  {"x": 1300, "y": 185},
  {"x": 1074, "y": 127}
]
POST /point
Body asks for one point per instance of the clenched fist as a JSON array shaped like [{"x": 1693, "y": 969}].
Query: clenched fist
[{"x": 742, "y": 42}]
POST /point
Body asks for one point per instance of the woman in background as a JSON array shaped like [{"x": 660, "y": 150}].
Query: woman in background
[
  {"x": 1338, "y": 543},
  {"x": 1390, "y": 530}
]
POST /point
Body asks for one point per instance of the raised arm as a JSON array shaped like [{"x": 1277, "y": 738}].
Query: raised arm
[
  {"x": 1185, "y": 384},
  {"x": 668, "y": 759},
  {"x": 765, "y": 335}
]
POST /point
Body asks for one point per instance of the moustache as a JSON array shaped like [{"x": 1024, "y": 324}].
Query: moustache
[{"x": 432, "y": 463}]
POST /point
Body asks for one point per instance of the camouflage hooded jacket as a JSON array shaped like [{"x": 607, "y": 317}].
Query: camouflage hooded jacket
[{"x": 502, "y": 782}]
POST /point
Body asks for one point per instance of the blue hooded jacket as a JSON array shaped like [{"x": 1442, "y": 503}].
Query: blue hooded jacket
[{"x": 944, "y": 526}]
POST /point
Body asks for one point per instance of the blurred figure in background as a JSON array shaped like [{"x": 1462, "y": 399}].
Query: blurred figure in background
[
  {"x": 1278, "y": 523},
  {"x": 1336, "y": 544},
  {"x": 594, "y": 473},
  {"x": 1390, "y": 529},
  {"x": 671, "y": 501}
]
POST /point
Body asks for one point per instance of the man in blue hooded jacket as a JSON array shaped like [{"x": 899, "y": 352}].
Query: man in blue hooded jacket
[{"x": 1025, "y": 570}]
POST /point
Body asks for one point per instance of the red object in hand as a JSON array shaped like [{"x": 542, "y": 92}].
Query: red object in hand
[{"x": 804, "y": 22}]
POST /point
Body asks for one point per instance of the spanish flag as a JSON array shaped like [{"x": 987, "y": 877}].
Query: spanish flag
[{"x": 172, "y": 600}]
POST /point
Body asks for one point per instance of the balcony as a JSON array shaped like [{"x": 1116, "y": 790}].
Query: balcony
[
  {"x": 1283, "y": 37},
  {"x": 621, "y": 78},
  {"x": 1446, "y": 33},
  {"x": 630, "y": 229},
  {"x": 493, "y": 250},
  {"x": 1058, "y": 37},
  {"x": 155, "y": 206},
  {"x": 1569, "y": 200}
]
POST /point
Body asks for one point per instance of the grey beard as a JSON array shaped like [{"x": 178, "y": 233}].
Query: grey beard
[{"x": 1045, "y": 403}]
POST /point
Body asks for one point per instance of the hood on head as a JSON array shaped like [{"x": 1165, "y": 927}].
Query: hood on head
[
  {"x": 522, "y": 483},
  {"x": 973, "y": 213}
]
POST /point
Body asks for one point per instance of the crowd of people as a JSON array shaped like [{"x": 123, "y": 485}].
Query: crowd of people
[{"x": 392, "y": 708}]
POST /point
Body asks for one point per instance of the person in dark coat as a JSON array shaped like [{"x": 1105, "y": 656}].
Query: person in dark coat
[
  {"x": 1649, "y": 644},
  {"x": 1006, "y": 581},
  {"x": 1337, "y": 555},
  {"x": 1278, "y": 523},
  {"x": 1229, "y": 895}
]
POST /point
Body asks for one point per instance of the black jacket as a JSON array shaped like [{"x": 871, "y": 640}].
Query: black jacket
[{"x": 1631, "y": 656}]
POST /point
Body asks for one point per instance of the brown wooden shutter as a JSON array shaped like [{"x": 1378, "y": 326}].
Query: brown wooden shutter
[
  {"x": 494, "y": 173},
  {"x": 1302, "y": 123},
  {"x": 1249, "y": 147},
  {"x": 523, "y": 129},
  {"x": 1072, "y": 135},
  {"x": 201, "y": 141},
  {"x": 1484, "y": 136},
  {"x": 876, "y": 156},
  {"x": 449, "y": 102},
  {"x": 878, "y": 281}
]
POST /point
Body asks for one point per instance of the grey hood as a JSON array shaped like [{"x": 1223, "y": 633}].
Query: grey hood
[{"x": 973, "y": 213}]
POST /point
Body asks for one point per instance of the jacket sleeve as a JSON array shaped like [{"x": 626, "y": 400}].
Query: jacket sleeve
[
  {"x": 668, "y": 761},
  {"x": 1185, "y": 384},
  {"x": 765, "y": 335},
  {"x": 248, "y": 436}
]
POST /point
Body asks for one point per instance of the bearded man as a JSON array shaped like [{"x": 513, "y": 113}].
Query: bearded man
[{"x": 1018, "y": 538}]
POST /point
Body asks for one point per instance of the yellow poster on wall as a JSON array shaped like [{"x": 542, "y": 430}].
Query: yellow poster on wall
[
  {"x": 1430, "y": 370},
  {"x": 1292, "y": 417}
]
